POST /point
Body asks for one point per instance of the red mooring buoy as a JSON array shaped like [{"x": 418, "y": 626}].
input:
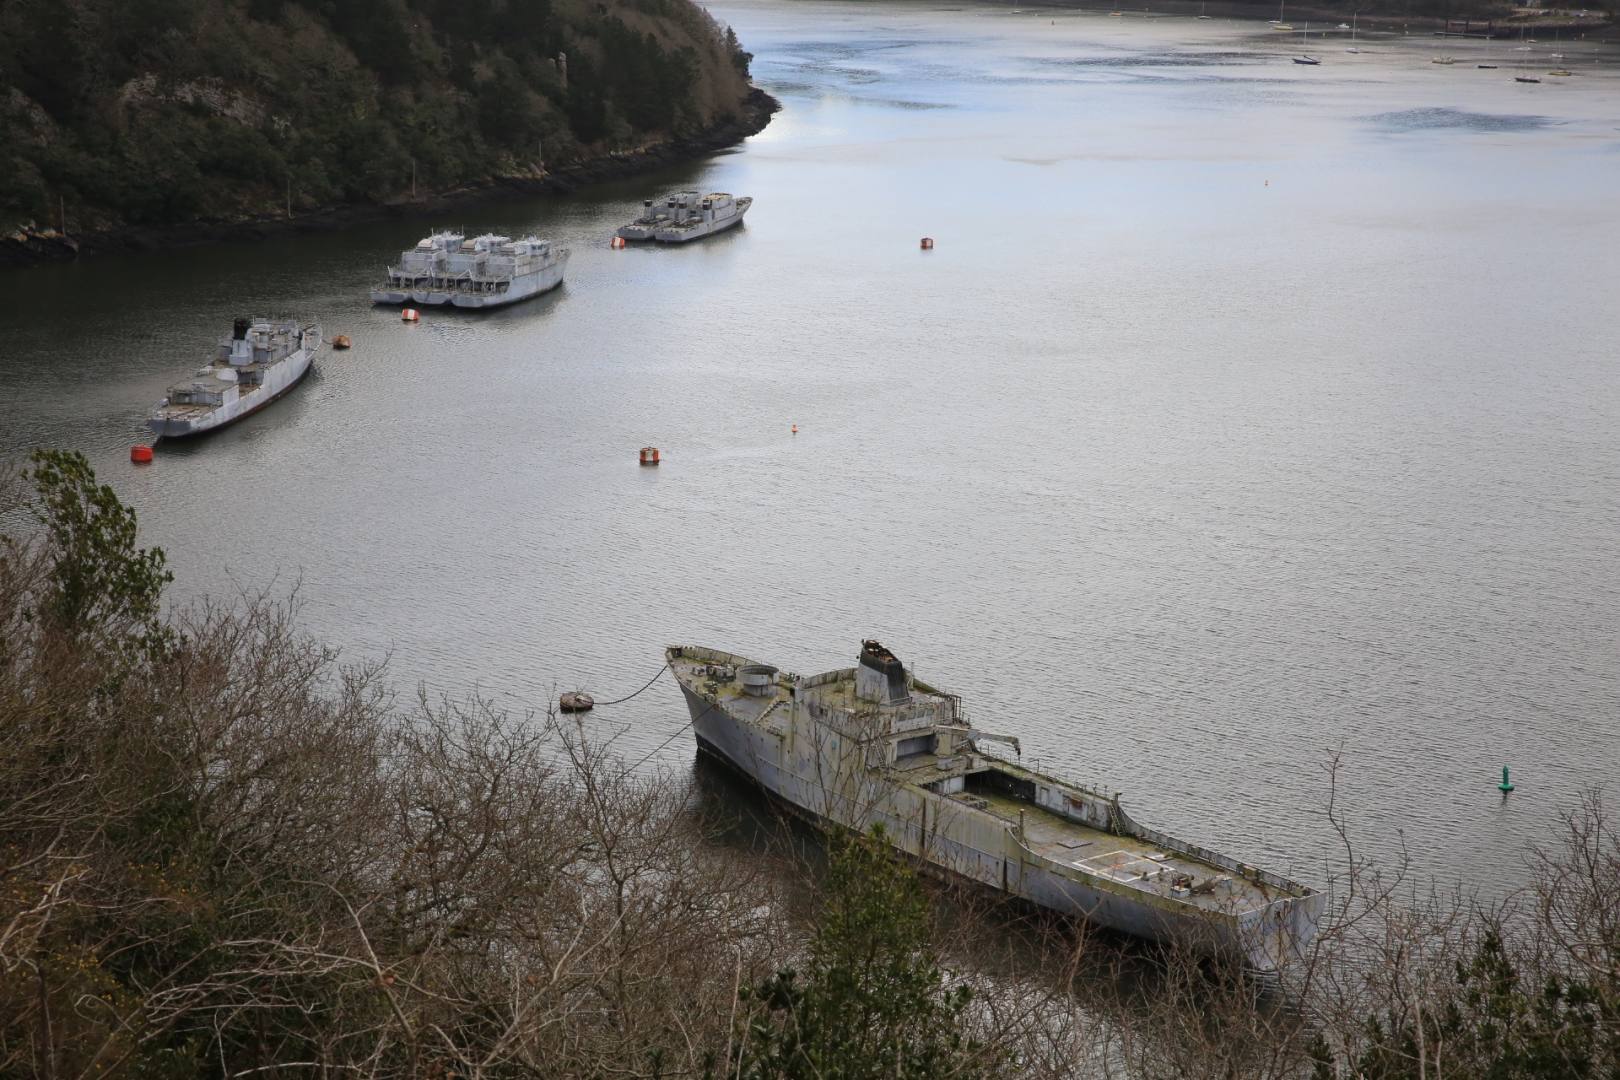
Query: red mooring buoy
[
  {"x": 649, "y": 455},
  {"x": 140, "y": 455},
  {"x": 410, "y": 314},
  {"x": 618, "y": 242},
  {"x": 928, "y": 243}
]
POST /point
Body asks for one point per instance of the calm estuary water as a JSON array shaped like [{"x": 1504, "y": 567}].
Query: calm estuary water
[{"x": 1245, "y": 410}]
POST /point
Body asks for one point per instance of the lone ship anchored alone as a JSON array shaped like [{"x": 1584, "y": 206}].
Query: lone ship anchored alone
[
  {"x": 484, "y": 272},
  {"x": 686, "y": 215},
  {"x": 872, "y": 745},
  {"x": 258, "y": 363}
]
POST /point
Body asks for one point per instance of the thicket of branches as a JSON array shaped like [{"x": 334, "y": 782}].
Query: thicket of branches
[{"x": 224, "y": 853}]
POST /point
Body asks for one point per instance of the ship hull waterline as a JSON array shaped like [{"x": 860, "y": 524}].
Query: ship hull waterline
[
  {"x": 1264, "y": 940},
  {"x": 187, "y": 429},
  {"x": 679, "y": 236}
]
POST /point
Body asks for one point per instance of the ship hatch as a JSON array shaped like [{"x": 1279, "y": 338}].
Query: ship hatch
[{"x": 920, "y": 744}]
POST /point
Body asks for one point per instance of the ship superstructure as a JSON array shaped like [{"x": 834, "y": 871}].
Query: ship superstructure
[
  {"x": 418, "y": 270},
  {"x": 686, "y": 215},
  {"x": 260, "y": 361},
  {"x": 871, "y": 745},
  {"x": 656, "y": 213},
  {"x": 481, "y": 272}
]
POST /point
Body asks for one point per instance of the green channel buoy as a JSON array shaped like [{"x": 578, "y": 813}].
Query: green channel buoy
[{"x": 1506, "y": 785}]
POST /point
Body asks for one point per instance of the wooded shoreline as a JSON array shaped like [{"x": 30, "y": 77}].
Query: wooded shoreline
[{"x": 47, "y": 245}]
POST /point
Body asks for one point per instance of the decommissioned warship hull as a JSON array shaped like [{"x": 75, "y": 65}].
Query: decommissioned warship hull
[
  {"x": 521, "y": 288},
  {"x": 871, "y": 746},
  {"x": 489, "y": 271},
  {"x": 257, "y": 368},
  {"x": 703, "y": 224}
]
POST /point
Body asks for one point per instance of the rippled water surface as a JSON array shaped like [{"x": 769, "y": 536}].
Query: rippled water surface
[{"x": 1245, "y": 410}]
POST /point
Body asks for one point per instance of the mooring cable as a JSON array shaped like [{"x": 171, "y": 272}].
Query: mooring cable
[{"x": 627, "y": 697}]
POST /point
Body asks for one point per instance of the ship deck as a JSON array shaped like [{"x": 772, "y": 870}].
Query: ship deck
[{"x": 1134, "y": 863}]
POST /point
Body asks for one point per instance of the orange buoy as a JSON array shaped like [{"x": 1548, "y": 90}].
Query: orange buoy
[
  {"x": 618, "y": 242},
  {"x": 410, "y": 314},
  {"x": 140, "y": 455},
  {"x": 649, "y": 455},
  {"x": 928, "y": 243},
  {"x": 795, "y": 429},
  {"x": 341, "y": 342}
]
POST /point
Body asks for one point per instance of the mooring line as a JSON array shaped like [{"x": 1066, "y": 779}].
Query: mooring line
[{"x": 620, "y": 701}]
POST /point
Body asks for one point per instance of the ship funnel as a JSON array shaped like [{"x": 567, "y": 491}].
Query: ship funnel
[
  {"x": 880, "y": 677},
  {"x": 239, "y": 329}
]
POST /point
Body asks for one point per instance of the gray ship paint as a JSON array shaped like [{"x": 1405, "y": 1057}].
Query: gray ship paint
[
  {"x": 870, "y": 745},
  {"x": 257, "y": 364}
]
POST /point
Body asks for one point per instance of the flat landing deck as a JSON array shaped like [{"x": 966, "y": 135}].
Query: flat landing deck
[{"x": 1124, "y": 859}]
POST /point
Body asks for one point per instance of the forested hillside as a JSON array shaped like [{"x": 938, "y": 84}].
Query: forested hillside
[{"x": 162, "y": 111}]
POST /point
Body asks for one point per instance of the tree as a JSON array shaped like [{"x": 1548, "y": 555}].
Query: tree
[
  {"x": 101, "y": 586},
  {"x": 873, "y": 1001}
]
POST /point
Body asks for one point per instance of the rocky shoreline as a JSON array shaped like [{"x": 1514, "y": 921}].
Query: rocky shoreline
[{"x": 24, "y": 248}]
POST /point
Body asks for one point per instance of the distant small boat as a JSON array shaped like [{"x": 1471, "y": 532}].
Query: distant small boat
[
  {"x": 1443, "y": 60},
  {"x": 1281, "y": 26},
  {"x": 1560, "y": 72},
  {"x": 1342, "y": 26},
  {"x": 1310, "y": 60},
  {"x": 1524, "y": 78},
  {"x": 1487, "y": 67}
]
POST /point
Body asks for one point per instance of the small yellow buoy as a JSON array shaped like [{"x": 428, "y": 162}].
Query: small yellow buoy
[{"x": 341, "y": 342}]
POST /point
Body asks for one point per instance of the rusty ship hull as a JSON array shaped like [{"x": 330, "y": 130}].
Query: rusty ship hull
[{"x": 869, "y": 745}]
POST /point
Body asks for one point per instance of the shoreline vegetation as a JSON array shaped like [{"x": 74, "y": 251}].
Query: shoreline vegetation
[
  {"x": 148, "y": 123},
  {"x": 224, "y": 853}
]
